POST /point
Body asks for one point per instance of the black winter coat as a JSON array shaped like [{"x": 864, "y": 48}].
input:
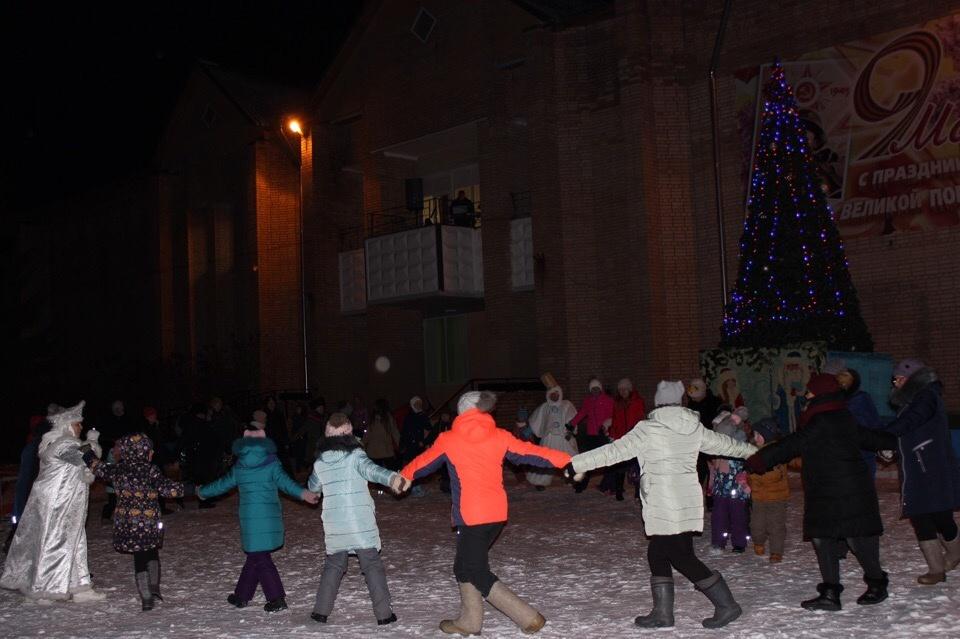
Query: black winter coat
[
  {"x": 929, "y": 473},
  {"x": 840, "y": 499}
]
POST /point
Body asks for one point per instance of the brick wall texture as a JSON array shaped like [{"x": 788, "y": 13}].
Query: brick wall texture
[{"x": 605, "y": 124}]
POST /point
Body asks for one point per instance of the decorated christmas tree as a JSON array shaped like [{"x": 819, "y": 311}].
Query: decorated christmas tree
[{"x": 793, "y": 283}]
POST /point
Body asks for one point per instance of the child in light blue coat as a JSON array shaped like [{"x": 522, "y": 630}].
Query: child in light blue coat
[{"x": 341, "y": 473}]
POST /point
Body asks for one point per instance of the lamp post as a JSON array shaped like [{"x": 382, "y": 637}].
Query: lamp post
[{"x": 295, "y": 127}]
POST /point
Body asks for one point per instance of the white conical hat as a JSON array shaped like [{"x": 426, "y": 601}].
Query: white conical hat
[{"x": 67, "y": 416}]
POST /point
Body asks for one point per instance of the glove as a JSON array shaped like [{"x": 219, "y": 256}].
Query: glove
[
  {"x": 886, "y": 456},
  {"x": 93, "y": 438},
  {"x": 400, "y": 484},
  {"x": 570, "y": 427},
  {"x": 755, "y": 464},
  {"x": 572, "y": 474}
]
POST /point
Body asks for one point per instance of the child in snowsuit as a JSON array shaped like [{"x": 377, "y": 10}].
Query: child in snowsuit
[
  {"x": 258, "y": 474},
  {"x": 770, "y": 492},
  {"x": 137, "y": 527},
  {"x": 730, "y": 490},
  {"x": 341, "y": 473},
  {"x": 474, "y": 451}
]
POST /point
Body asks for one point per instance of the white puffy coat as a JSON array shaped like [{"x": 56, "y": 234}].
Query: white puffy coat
[{"x": 666, "y": 445}]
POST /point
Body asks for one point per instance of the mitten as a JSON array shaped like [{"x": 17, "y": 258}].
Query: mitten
[{"x": 93, "y": 438}]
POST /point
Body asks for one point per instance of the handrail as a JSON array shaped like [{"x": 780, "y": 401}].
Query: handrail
[{"x": 487, "y": 381}]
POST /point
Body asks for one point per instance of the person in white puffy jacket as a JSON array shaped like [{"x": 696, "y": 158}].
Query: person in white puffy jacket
[{"x": 666, "y": 445}]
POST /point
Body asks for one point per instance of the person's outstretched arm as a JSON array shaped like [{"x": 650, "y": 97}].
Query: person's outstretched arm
[
  {"x": 373, "y": 472},
  {"x": 918, "y": 413},
  {"x": 779, "y": 452},
  {"x": 527, "y": 453},
  {"x": 225, "y": 484},
  {"x": 724, "y": 446},
  {"x": 428, "y": 461},
  {"x": 619, "y": 450}
]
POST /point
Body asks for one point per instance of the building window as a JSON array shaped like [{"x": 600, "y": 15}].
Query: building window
[{"x": 445, "y": 350}]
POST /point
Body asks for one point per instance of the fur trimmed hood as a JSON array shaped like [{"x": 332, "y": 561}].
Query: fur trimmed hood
[{"x": 917, "y": 382}]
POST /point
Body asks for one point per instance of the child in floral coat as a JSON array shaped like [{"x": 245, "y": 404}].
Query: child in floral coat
[
  {"x": 137, "y": 527},
  {"x": 730, "y": 490}
]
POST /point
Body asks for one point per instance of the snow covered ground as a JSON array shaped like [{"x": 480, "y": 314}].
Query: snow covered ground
[{"x": 580, "y": 558}]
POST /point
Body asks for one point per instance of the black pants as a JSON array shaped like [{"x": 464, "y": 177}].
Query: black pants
[
  {"x": 865, "y": 549},
  {"x": 143, "y": 557},
  {"x": 584, "y": 443},
  {"x": 666, "y": 551},
  {"x": 928, "y": 525},
  {"x": 472, "y": 564}
]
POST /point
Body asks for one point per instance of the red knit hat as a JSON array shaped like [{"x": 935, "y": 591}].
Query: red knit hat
[{"x": 823, "y": 384}]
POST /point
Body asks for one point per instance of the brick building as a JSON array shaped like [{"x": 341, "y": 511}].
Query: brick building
[
  {"x": 582, "y": 131},
  {"x": 228, "y": 239}
]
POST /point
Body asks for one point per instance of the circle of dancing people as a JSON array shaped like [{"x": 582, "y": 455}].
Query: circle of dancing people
[{"x": 686, "y": 441}]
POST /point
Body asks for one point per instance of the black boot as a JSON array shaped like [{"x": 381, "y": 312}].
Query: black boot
[
  {"x": 876, "y": 590},
  {"x": 662, "y": 614},
  {"x": 234, "y": 600},
  {"x": 153, "y": 574},
  {"x": 383, "y": 622},
  {"x": 275, "y": 605},
  {"x": 829, "y": 598},
  {"x": 316, "y": 616},
  {"x": 143, "y": 586},
  {"x": 726, "y": 609}
]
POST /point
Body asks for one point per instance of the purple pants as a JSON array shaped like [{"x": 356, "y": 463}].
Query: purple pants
[
  {"x": 728, "y": 519},
  {"x": 259, "y": 569}
]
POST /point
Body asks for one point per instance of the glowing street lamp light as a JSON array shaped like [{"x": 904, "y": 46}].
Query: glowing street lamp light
[{"x": 294, "y": 126}]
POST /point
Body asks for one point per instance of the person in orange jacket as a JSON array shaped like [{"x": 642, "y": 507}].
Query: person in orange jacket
[
  {"x": 473, "y": 451},
  {"x": 771, "y": 493}
]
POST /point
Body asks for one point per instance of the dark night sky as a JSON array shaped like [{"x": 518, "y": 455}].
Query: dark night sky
[{"x": 93, "y": 83}]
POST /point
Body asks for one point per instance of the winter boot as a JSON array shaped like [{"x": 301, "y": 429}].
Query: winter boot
[
  {"x": 234, "y": 600},
  {"x": 389, "y": 620},
  {"x": 276, "y": 605},
  {"x": 143, "y": 586},
  {"x": 936, "y": 568},
  {"x": 153, "y": 572},
  {"x": 829, "y": 598},
  {"x": 876, "y": 590},
  {"x": 522, "y": 613},
  {"x": 725, "y": 608},
  {"x": 471, "y": 613},
  {"x": 759, "y": 549},
  {"x": 662, "y": 614},
  {"x": 952, "y": 555}
]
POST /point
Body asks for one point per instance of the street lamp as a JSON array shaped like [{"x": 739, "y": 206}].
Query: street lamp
[{"x": 294, "y": 126}]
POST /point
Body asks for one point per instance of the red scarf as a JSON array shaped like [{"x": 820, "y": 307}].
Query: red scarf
[{"x": 822, "y": 404}]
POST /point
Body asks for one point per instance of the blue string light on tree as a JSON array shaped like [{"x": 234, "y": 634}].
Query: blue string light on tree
[{"x": 793, "y": 282}]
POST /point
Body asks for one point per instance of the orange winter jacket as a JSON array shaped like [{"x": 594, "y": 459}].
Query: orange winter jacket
[
  {"x": 474, "y": 450},
  {"x": 771, "y": 485}
]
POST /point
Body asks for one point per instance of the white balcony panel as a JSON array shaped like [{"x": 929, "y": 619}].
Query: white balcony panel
[
  {"x": 353, "y": 281},
  {"x": 402, "y": 265},
  {"x": 521, "y": 254},
  {"x": 462, "y": 261}
]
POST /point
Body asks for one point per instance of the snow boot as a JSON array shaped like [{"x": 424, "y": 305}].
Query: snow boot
[
  {"x": 829, "y": 598},
  {"x": 316, "y": 616},
  {"x": 143, "y": 586},
  {"x": 662, "y": 614},
  {"x": 153, "y": 573},
  {"x": 876, "y": 590},
  {"x": 389, "y": 620},
  {"x": 725, "y": 608},
  {"x": 471, "y": 613},
  {"x": 276, "y": 605},
  {"x": 522, "y": 613},
  {"x": 236, "y": 601},
  {"x": 952, "y": 555},
  {"x": 936, "y": 568}
]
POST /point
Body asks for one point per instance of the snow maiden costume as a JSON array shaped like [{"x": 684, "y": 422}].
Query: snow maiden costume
[
  {"x": 48, "y": 557},
  {"x": 666, "y": 446},
  {"x": 548, "y": 422}
]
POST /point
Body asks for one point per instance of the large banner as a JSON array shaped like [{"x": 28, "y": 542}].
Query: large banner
[{"x": 883, "y": 120}]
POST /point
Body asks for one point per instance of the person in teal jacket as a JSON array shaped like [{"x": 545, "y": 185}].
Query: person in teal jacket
[
  {"x": 258, "y": 475},
  {"x": 341, "y": 473}
]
